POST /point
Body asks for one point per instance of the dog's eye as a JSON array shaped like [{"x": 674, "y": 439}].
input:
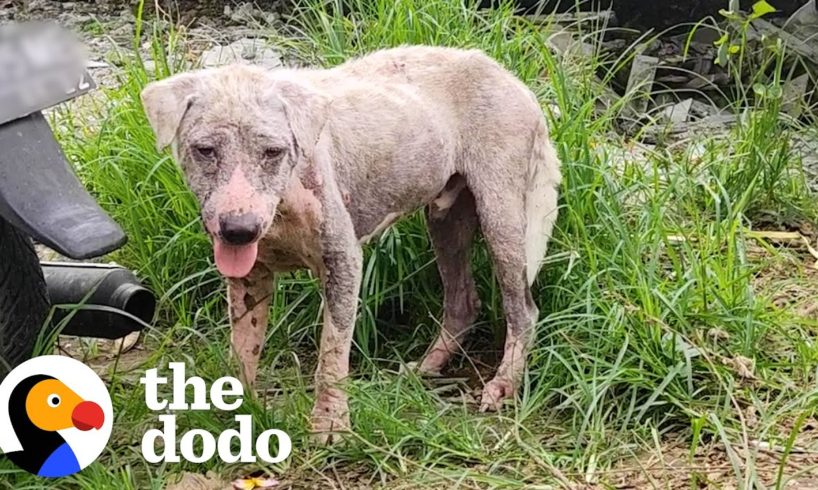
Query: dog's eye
[
  {"x": 205, "y": 151},
  {"x": 273, "y": 153}
]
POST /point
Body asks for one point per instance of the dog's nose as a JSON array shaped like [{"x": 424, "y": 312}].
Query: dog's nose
[{"x": 239, "y": 229}]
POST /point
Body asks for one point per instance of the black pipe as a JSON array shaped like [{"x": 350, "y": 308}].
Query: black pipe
[{"x": 111, "y": 301}]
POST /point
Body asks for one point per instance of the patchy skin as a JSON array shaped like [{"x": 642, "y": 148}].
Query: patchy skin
[
  {"x": 301, "y": 204},
  {"x": 237, "y": 196},
  {"x": 330, "y": 414},
  {"x": 326, "y": 159},
  {"x": 299, "y": 212},
  {"x": 249, "y": 305},
  {"x": 292, "y": 242}
]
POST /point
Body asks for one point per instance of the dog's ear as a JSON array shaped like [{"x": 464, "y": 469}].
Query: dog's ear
[
  {"x": 307, "y": 112},
  {"x": 166, "y": 102}
]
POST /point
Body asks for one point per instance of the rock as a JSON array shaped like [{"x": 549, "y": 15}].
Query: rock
[
  {"x": 247, "y": 13},
  {"x": 677, "y": 113},
  {"x": 565, "y": 43},
  {"x": 35, "y": 5},
  {"x": 7, "y": 10},
  {"x": 807, "y": 47},
  {"x": 794, "y": 95},
  {"x": 245, "y": 50},
  {"x": 127, "y": 15},
  {"x": 804, "y": 21},
  {"x": 242, "y": 13},
  {"x": 640, "y": 84},
  {"x": 123, "y": 33}
]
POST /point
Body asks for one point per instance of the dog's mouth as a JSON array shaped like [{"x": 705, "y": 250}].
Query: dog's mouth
[{"x": 234, "y": 260}]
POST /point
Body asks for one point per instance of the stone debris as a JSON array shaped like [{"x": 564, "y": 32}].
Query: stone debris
[
  {"x": 677, "y": 113},
  {"x": 675, "y": 86},
  {"x": 247, "y": 13},
  {"x": 255, "y": 51},
  {"x": 794, "y": 95}
]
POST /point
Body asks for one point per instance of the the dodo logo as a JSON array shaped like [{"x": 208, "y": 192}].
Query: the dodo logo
[{"x": 55, "y": 416}]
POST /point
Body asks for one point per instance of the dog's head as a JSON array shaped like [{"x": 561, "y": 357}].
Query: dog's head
[{"x": 237, "y": 132}]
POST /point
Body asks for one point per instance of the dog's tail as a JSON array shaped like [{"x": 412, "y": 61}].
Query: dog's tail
[{"x": 540, "y": 199}]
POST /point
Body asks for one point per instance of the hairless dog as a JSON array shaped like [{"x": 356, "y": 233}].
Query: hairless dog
[{"x": 298, "y": 168}]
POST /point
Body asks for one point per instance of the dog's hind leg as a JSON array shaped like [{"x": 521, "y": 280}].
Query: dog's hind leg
[
  {"x": 503, "y": 223},
  {"x": 452, "y": 231},
  {"x": 249, "y": 305}
]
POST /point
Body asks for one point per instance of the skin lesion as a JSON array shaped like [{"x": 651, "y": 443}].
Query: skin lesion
[{"x": 249, "y": 301}]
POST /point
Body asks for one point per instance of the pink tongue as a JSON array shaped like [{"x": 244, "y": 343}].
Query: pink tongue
[{"x": 235, "y": 261}]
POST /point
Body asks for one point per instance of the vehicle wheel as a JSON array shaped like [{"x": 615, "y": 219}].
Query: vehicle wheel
[{"x": 24, "y": 301}]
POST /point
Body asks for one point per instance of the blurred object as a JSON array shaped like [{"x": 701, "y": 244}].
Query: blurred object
[{"x": 41, "y": 65}]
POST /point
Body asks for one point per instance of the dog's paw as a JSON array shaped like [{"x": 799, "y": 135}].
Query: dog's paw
[
  {"x": 432, "y": 365},
  {"x": 330, "y": 419},
  {"x": 495, "y": 393},
  {"x": 420, "y": 369},
  {"x": 329, "y": 430}
]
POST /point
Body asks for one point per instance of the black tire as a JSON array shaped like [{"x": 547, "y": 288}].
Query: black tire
[{"x": 24, "y": 301}]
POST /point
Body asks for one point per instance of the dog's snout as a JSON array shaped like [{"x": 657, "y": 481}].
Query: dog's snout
[{"x": 239, "y": 229}]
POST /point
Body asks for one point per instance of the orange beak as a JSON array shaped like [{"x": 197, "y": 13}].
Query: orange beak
[{"x": 87, "y": 416}]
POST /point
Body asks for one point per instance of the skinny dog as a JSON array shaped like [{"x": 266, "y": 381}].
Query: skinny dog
[{"x": 299, "y": 167}]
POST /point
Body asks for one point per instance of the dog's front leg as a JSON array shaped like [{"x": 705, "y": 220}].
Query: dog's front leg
[
  {"x": 341, "y": 280},
  {"x": 249, "y": 303}
]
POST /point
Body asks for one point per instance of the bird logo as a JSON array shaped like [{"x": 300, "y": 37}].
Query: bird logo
[{"x": 59, "y": 415}]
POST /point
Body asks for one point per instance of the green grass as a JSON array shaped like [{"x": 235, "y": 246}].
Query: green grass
[{"x": 649, "y": 258}]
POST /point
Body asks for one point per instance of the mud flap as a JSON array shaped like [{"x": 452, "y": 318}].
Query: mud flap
[{"x": 41, "y": 196}]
